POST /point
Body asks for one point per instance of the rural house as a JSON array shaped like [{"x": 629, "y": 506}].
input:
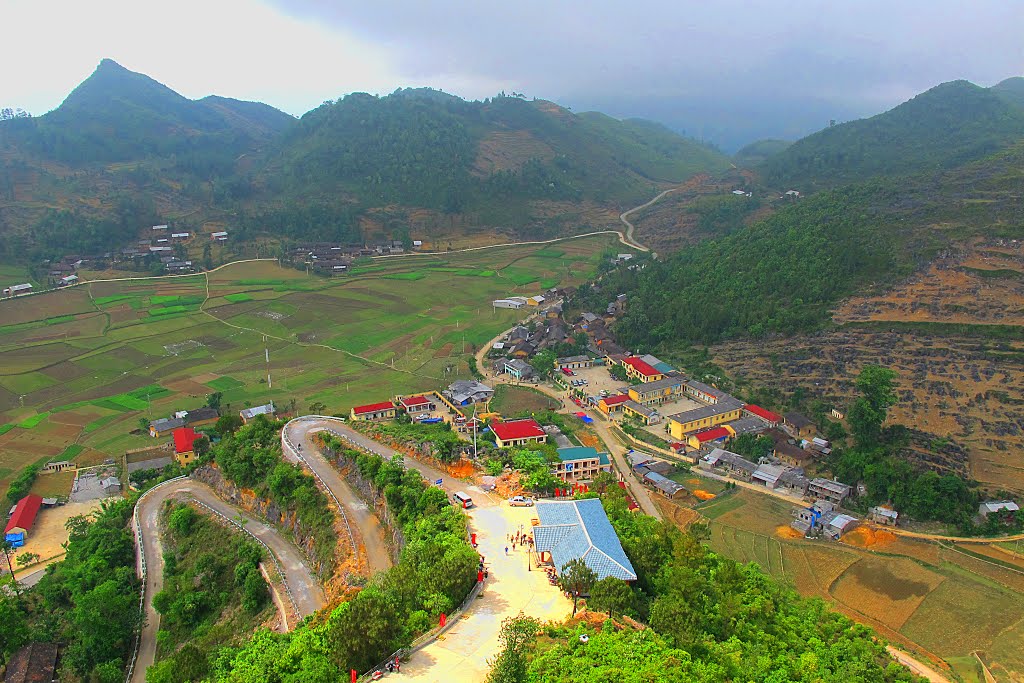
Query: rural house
[
  {"x": 883, "y": 515},
  {"x": 640, "y": 370},
  {"x": 164, "y": 426},
  {"x": 580, "y": 463},
  {"x": 612, "y": 404},
  {"x": 20, "y": 523},
  {"x": 573, "y": 363},
  {"x": 829, "y": 489},
  {"x": 646, "y": 414},
  {"x": 990, "y": 506},
  {"x": 799, "y": 426},
  {"x": 384, "y": 410},
  {"x": 416, "y": 404},
  {"x": 249, "y": 414},
  {"x": 466, "y": 391},
  {"x": 579, "y": 529},
  {"x": 728, "y": 463},
  {"x": 658, "y": 391},
  {"x": 663, "y": 484},
  {"x": 184, "y": 445},
  {"x": 709, "y": 438},
  {"x": 518, "y": 432},
  {"x": 772, "y": 419},
  {"x": 518, "y": 368},
  {"x": 688, "y": 421},
  {"x": 507, "y": 303}
]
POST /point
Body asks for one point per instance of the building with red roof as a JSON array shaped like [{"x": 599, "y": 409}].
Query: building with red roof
[
  {"x": 184, "y": 445},
  {"x": 374, "y": 411},
  {"x": 710, "y": 436},
  {"x": 21, "y": 521},
  {"x": 416, "y": 404},
  {"x": 518, "y": 432},
  {"x": 773, "y": 419},
  {"x": 641, "y": 370},
  {"x": 612, "y": 404}
]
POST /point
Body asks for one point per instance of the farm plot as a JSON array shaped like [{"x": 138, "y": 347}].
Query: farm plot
[{"x": 888, "y": 590}]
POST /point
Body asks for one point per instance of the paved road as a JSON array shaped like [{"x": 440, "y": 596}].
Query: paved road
[
  {"x": 370, "y": 531},
  {"x": 306, "y": 592}
]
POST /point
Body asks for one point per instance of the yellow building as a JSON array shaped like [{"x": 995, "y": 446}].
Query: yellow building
[
  {"x": 658, "y": 391},
  {"x": 641, "y": 370},
  {"x": 686, "y": 422}
]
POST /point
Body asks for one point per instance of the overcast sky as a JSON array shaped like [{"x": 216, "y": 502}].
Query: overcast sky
[{"x": 724, "y": 70}]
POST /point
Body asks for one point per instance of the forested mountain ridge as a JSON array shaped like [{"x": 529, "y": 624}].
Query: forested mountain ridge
[
  {"x": 944, "y": 127},
  {"x": 123, "y": 149}
]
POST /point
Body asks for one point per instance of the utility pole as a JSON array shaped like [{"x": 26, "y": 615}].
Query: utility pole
[{"x": 266, "y": 350}]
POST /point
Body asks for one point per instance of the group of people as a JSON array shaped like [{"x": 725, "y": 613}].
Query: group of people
[{"x": 519, "y": 539}]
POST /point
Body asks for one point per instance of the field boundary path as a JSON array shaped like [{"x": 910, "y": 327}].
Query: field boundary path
[{"x": 301, "y": 586}]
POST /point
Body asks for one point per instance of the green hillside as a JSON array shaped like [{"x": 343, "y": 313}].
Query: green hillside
[
  {"x": 785, "y": 273},
  {"x": 123, "y": 150},
  {"x": 758, "y": 152},
  {"x": 945, "y": 127},
  {"x": 1011, "y": 90}
]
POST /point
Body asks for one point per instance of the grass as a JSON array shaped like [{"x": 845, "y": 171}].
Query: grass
[
  {"x": 513, "y": 401},
  {"x": 225, "y": 383},
  {"x": 238, "y": 298},
  {"x": 428, "y": 332},
  {"x": 32, "y": 422},
  {"x": 412, "y": 275}
]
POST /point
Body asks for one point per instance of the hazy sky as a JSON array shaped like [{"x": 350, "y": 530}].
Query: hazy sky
[{"x": 713, "y": 68}]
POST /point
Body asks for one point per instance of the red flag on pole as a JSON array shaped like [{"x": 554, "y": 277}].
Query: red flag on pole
[
  {"x": 443, "y": 620},
  {"x": 354, "y": 675},
  {"x": 473, "y": 539},
  {"x": 479, "y": 576}
]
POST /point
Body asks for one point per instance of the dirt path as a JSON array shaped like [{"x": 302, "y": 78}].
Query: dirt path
[
  {"x": 629, "y": 239},
  {"x": 916, "y": 666},
  {"x": 305, "y": 591}
]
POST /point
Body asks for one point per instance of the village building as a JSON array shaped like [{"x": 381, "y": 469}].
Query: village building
[
  {"x": 466, "y": 391},
  {"x": 219, "y": 236},
  {"x": 640, "y": 370},
  {"x": 57, "y": 466},
  {"x": 799, "y": 426},
  {"x": 658, "y": 391},
  {"x": 384, "y": 410},
  {"x": 729, "y": 463},
  {"x": 508, "y": 303},
  {"x": 249, "y": 414},
  {"x": 111, "y": 485},
  {"x": 21, "y": 521},
  {"x": 414, "y": 405},
  {"x": 574, "y": 362},
  {"x": 580, "y": 463},
  {"x": 184, "y": 445},
  {"x": 710, "y": 438},
  {"x": 612, "y": 404},
  {"x": 518, "y": 432},
  {"x": 164, "y": 426},
  {"x": 535, "y": 300},
  {"x": 636, "y": 460},
  {"x": 517, "y": 368},
  {"x": 689, "y": 421},
  {"x": 580, "y": 530},
  {"x": 656, "y": 362},
  {"x": 553, "y": 312},
  {"x": 883, "y": 515},
  {"x": 68, "y": 280},
  {"x": 770, "y": 418},
  {"x": 748, "y": 425},
  {"x": 838, "y": 525},
  {"x": 646, "y": 414},
  {"x": 17, "y": 290},
  {"x": 663, "y": 484},
  {"x": 788, "y": 452},
  {"x": 991, "y": 506},
  {"x": 829, "y": 489}
]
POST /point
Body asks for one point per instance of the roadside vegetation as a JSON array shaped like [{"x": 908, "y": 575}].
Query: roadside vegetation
[{"x": 213, "y": 595}]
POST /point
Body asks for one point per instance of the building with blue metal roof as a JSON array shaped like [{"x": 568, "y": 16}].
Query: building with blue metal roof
[{"x": 579, "y": 529}]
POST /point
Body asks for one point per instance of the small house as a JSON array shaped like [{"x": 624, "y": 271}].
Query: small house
[
  {"x": 580, "y": 530},
  {"x": 573, "y": 362},
  {"x": 508, "y": 303},
  {"x": 111, "y": 485},
  {"x": 374, "y": 411},
  {"x": 839, "y": 525},
  {"x": 770, "y": 418},
  {"x": 580, "y": 463},
  {"x": 165, "y": 426},
  {"x": 641, "y": 370},
  {"x": 416, "y": 404},
  {"x": 518, "y": 432},
  {"x": 646, "y": 414},
  {"x": 518, "y": 368},
  {"x": 663, "y": 484},
  {"x": 990, "y": 506},
  {"x": 830, "y": 490},
  {"x": 219, "y": 236},
  {"x": 34, "y": 663},
  {"x": 184, "y": 445},
  {"x": 20, "y": 523},
  {"x": 250, "y": 414},
  {"x": 799, "y": 425},
  {"x": 466, "y": 391},
  {"x": 709, "y": 438},
  {"x": 612, "y": 404},
  {"x": 17, "y": 290},
  {"x": 883, "y": 515}
]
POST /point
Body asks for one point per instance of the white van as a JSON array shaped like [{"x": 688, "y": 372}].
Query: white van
[{"x": 462, "y": 500}]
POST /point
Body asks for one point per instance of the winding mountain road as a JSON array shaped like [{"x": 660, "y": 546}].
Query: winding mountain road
[{"x": 306, "y": 593}]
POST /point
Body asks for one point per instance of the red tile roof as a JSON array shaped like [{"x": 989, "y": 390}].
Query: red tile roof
[
  {"x": 373, "y": 408},
  {"x": 25, "y": 513},
  {"x": 615, "y": 400},
  {"x": 764, "y": 414},
  {"x": 184, "y": 438},
  {"x": 641, "y": 366},
  {"x": 712, "y": 434},
  {"x": 519, "y": 429},
  {"x": 415, "y": 401}
]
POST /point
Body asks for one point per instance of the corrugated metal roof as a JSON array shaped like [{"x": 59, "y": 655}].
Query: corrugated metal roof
[{"x": 580, "y": 529}]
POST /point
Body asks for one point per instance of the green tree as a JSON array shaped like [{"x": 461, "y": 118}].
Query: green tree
[
  {"x": 27, "y": 558},
  {"x": 868, "y": 413},
  {"x": 213, "y": 400},
  {"x": 15, "y": 631},
  {"x": 577, "y": 579},
  {"x": 618, "y": 373},
  {"x": 227, "y": 424},
  {"x": 544, "y": 362},
  {"x": 612, "y": 595},
  {"x": 516, "y": 635}
]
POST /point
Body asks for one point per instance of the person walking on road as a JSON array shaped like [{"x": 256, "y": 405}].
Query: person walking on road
[{"x": 506, "y": 551}]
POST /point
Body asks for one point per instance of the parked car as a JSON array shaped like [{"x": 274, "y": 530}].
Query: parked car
[{"x": 521, "y": 501}]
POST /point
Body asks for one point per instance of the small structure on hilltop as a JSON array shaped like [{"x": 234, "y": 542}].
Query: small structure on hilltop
[
  {"x": 579, "y": 529},
  {"x": 21, "y": 521}
]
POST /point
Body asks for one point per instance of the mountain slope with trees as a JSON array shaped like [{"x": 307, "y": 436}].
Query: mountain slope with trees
[{"x": 945, "y": 127}]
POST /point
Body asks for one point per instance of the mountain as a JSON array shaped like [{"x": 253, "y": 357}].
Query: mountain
[
  {"x": 120, "y": 115},
  {"x": 418, "y": 159},
  {"x": 1011, "y": 90},
  {"x": 760, "y": 151},
  {"x": 945, "y": 127}
]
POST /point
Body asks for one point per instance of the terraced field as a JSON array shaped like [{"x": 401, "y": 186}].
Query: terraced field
[{"x": 124, "y": 351}]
